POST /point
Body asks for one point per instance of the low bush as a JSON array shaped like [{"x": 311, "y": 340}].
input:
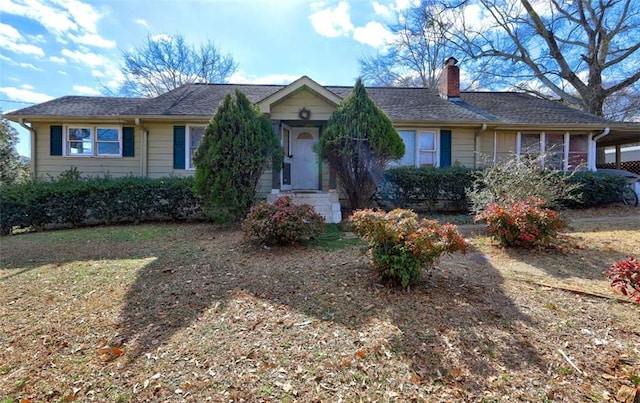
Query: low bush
[
  {"x": 593, "y": 189},
  {"x": 74, "y": 202},
  {"x": 429, "y": 189},
  {"x": 282, "y": 223},
  {"x": 625, "y": 278},
  {"x": 401, "y": 245},
  {"x": 521, "y": 223}
]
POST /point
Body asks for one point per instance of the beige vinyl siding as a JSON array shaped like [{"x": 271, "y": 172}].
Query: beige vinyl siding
[
  {"x": 48, "y": 165},
  {"x": 462, "y": 147},
  {"x": 485, "y": 149},
  {"x": 288, "y": 109},
  {"x": 160, "y": 151}
]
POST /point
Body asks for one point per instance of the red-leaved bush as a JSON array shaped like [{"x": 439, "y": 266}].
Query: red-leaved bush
[
  {"x": 625, "y": 277},
  {"x": 282, "y": 223},
  {"x": 523, "y": 223},
  {"x": 402, "y": 245}
]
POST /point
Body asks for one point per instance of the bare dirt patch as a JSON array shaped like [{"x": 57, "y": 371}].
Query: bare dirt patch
[{"x": 193, "y": 313}]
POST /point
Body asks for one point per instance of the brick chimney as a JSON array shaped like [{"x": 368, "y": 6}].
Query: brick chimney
[{"x": 449, "y": 81}]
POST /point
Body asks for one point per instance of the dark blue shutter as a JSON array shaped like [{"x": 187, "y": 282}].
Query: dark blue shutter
[
  {"x": 128, "y": 141},
  {"x": 445, "y": 148},
  {"x": 55, "y": 140},
  {"x": 179, "y": 147}
]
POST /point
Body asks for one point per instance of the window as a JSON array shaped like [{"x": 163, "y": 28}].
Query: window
[
  {"x": 93, "y": 141},
  {"x": 427, "y": 151},
  {"x": 561, "y": 151},
  {"x": 421, "y": 148},
  {"x": 194, "y": 137}
]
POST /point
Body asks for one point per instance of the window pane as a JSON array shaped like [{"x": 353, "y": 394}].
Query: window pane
[
  {"x": 578, "y": 143},
  {"x": 427, "y": 159},
  {"x": 80, "y": 148},
  {"x": 530, "y": 144},
  {"x": 107, "y": 134},
  {"x": 79, "y": 133},
  {"x": 110, "y": 148},
  {"x": 409, "y": 140},
  {"x": 427, "y": 141},
  {"x": 196, "y": 134},
  {"x": 554, "y": 143}
]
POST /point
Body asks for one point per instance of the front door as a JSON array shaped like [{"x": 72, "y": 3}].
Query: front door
[{"x": 304, "y": 161}]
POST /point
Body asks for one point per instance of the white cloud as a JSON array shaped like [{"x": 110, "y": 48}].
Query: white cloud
[
  {"x": 382, "y": 10},
  {"x": 92, "y": 40},
  {"x": 142, "y": 22},
  {"x": 97, "y": 73},
  {"x": 13, "y": 41},
  {"x": 331, "y": 22},
  {"x": 160, "y": 37},
  {"x": 87, "y": 58},
  {"x": 241, "y": 77},
  {"x": 82, "y": 89},
  {"x": 373, "y": 34},
  {"x": 25, "y": 95},
  {"x": 57, "y": 59},
  {"x": 72, "y": 18},
  {"x": 25, "y": 65},
  {"x": 8, "y": 31},
  {"x": 27, "y": 87},
  {"x": 62, "y": 72}
]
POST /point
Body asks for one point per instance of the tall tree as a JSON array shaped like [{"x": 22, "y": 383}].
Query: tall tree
[
  {"x": 582, "y": 51},
  {"x": 163, "y": 63},
  {"x": 237, "y": 147},
  {"x": 358, "y": 143},
  {"x": 12, "y": 168},
  {"x": 415, "y": 55}
]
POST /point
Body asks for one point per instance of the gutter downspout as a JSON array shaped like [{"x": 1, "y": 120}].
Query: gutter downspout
[
  {"x": 476, "y": 137},
  {"x": 32, "y": 159},
  {"x": 592, "y": 163},
  {"x": 143, "y": 148}
]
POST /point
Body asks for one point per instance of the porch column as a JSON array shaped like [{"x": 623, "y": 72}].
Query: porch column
[
  {"x": 618, "y": 157},
  {"x": 275, "y": 169}
]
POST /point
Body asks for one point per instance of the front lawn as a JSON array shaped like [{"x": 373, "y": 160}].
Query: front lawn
[{"x": 171, "y": 312}]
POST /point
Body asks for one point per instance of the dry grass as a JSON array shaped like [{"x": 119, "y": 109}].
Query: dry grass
[{"x": 198, "y": 314}]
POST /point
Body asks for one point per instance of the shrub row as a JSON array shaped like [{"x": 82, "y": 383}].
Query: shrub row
[
  {"x": 446, "y": 189},
  {"x": 99, "y": 200},
  {"x": 426, "y": 189},
  {"x": 594, "y": 189}
]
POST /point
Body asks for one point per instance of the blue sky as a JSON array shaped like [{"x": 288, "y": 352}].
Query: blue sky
[{"x": 52, "y": 48}]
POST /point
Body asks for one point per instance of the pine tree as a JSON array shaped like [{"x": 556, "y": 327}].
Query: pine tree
[
  {"x": 237, "y": 147},
  {"x": 358, "y": 143},
  {"x": 12, "y": 168}
]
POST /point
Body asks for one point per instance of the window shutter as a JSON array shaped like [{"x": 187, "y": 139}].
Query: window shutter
[
  {"x": 178, "y": 147},
  {"x": 55, "y": 140},
  {"x": 128, "y": 141},
  {"x": 445, "y": 148}
]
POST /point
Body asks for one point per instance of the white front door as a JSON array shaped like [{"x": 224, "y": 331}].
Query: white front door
[{"x": 304, "y": 161}]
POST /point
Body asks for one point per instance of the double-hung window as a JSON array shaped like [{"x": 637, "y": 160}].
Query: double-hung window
[
  {"x": 194, "y": 138},
  {"x": 93, "y": 141},
  {"x": 421, "y": 148}
]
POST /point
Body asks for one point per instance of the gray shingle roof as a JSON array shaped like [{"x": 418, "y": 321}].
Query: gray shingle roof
[
  {"x": 79, "y": 106},
  {"x": 519, "y": 108},
  {"x": 400, "y": 104}
]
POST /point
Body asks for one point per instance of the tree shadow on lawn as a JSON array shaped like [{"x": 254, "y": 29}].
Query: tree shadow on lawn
[
  {"x": 575, "y": 255},
  {"x": 440, "y": 314}
]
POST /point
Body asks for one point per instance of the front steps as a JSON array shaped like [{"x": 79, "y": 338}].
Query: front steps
[{"x": 324, "y": 203}]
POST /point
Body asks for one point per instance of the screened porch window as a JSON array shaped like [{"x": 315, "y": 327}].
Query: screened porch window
[{"x": 561, "y": 151}]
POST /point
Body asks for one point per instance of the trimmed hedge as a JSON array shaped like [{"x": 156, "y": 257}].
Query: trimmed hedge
[
  {"x": 37, "y": 204},
  {"x": 596, "y": 189},
  {"x": 445, "y": 189},
  {"x": 426, "y": 189}
]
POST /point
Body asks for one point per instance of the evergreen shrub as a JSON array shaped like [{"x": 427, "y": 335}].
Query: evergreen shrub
[
  {"x": 427, "y": 188},
  {"x": 38, "y": 204}
]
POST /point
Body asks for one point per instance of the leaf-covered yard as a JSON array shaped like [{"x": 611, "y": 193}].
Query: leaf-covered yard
[{"x": 191, "y": 313}]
